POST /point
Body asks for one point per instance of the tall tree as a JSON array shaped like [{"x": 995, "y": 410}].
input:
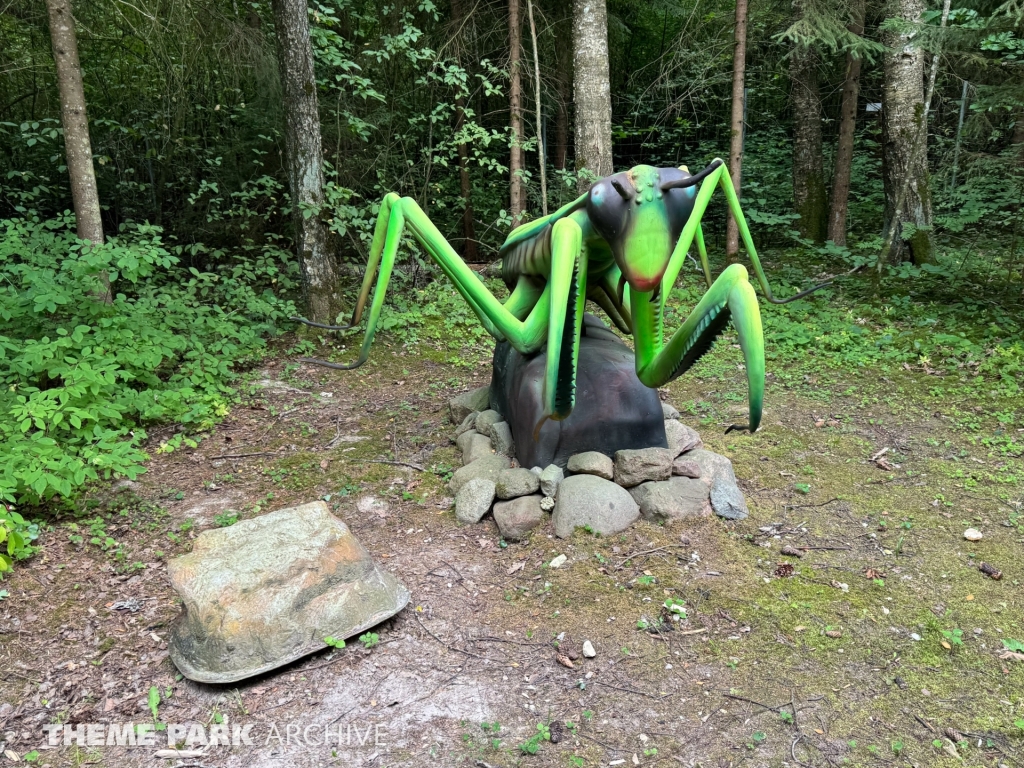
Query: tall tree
[
  {"x": 469, "y": 249},
  {"x": 563, "y": 84},
  {"x": 77, "y": 146},
  {"x": 304, "y": 160},
  {"x": 908, "y": 197},
  {"x": 809, "y": 196},
  {"x": 841, "y": 174},
  {"x": 739, "y": 70},
  {"x": 516, "y": 164},
  {"x": 541, "y": 159},
  {"x": 592, "y": 89}
]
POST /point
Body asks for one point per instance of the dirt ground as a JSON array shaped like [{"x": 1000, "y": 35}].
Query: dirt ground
[{"x": 881, "y": 645}]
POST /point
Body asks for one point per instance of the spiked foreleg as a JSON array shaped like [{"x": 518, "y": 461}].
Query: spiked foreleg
[
  {"x": 730, "y": 296},
  {"x": 568, "y": 280}
]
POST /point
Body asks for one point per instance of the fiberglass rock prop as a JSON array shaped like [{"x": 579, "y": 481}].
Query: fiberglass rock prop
[{"x": 266, "y": 591}]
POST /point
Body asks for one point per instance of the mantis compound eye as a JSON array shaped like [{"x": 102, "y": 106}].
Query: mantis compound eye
[{"x": 608, "y": 205}]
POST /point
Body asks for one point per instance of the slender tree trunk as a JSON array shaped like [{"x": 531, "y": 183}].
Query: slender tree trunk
[
  {"x": 592, "y": 90},
  {"x": 77, "y": 146},
  {"x": 739, "y": 68},
  {"x": 469, "y": 249},
  {"x": 541, "y": 159},
  {"x": 841, "y": 174},
  {"x": 517, "y": 204},
  {"x": 905, "y": 167},
  {"x": 809, "y": 196},
  {"x": 563, "y": 63},
  {"x": 304, "y": 160}
]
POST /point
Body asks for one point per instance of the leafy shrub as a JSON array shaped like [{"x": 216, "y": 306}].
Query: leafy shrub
[
  {"x": 80, "y": 379},
  {"x": 16, "y": 537}
]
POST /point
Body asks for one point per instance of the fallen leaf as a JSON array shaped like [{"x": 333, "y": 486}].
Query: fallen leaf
[
  {"x": 871, "y": 573},
  {"x": 969, "y": 597},
  {"x": 946, "y": 645},
  {"x": 1014, "y": 655},
  {"x": 517, "y": 567},
  {"x": 801, "y": 628}
]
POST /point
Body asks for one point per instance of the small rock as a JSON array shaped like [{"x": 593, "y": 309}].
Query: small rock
[
  {"x": 914, "y": 636},
  {"x": 716, "y": 470},
  {"x": 485, "y": 419},
  {"x": 668, "y": 412},
  {"x": 681, "y": 438},
  {"x": 675, "y": 499},
  {"x": 973, "y": 534},
  {"x": 550, "y": 479},
  {"x": 501, "y": 438},
  {"x": 477, "y": 447},
  {"x": 595, "y": 503},
  {"x": 592, "y": 463},
  {"x": 474, "y": 499},
  {"x": 633, "y": 467},
  {"x": 547, "y": 503},
  {"x": 684, "y": 467},
  {"x": 487, "y": 467},
  {"x": 467, "y": 424},
  {"x": 791, "y": 551},
  {"x": 462, "y": 405},
  {"x": 558, "y": 562},
  {"x": 537, "y": 471},
  {"x": 516, "y": 518},
  {"x": 588, "y": 649},
  {"x": 512, "y": 483}
]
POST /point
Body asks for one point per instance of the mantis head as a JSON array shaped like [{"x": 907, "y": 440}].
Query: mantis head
[{"x": 640, "y": 214}]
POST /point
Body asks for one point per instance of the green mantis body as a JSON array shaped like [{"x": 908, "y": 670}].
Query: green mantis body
[{"x": 621, "y": 245}]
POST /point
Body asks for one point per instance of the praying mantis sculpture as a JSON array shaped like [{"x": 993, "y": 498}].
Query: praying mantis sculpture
[{"x": 630, "y": 229}]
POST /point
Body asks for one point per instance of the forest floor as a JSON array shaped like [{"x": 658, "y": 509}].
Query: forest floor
[{"x": 884, "y": 645}]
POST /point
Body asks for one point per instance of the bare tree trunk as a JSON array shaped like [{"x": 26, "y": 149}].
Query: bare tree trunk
[
  {"x": 809, "y": 196},
  {"x": 304, "y": 159},
  {"x": 1018, "y": 128},
  {"x": 592, "y": 90},
  {"x": 84, "y": 195},
  {"x": 905, "y": 168},
  {"x": 563, "y": 63},
  {"x": 839, "y": 205},
  {"x": 517, "y": 204},
  {"x": 739, "y": 68},
  {"x": 541, "y": 159},
  {"x": 469, "y": 249}
]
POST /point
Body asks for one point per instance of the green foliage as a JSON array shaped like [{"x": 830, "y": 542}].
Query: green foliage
[
  {"x": 531, "y": 745},
  {"x": 81, "y": 379},
  {"x": 334, "y": 642},
  {"x": 369, "y": 639},
  {"x": 16, "y": 537}
]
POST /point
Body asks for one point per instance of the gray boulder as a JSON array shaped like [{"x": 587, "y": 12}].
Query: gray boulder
[
  {"x": 485, "y": 419},
  {"x": 512, "y": 483},
  {"x": 501, "y": 438},
  {"x": 717, "y": 473},
  {"x": 550, "y": 479},
  {"x": 474, "y": 500},
  {"x": 638, "y": 466},
  {"x": 266, "y": 591},
  {"x": 675, "y": 499},
  {"x": 669, "y": 412},
  {"x": 467, "y": 424},
  {"x": 591, "y": 501},
  {"x": 474, "y": 446},
  {"x": 487, "y": 468},
  {"x": 685, "y": 467},
  {"x": 681, "y": 438},
  {"x": 462, "y": 405},
  {"x": 592, "y": 463},
  {"x": 516, "y": 518}
]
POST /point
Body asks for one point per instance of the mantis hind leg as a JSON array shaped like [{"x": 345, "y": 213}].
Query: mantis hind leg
[{"x": 731, "y": 296}]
